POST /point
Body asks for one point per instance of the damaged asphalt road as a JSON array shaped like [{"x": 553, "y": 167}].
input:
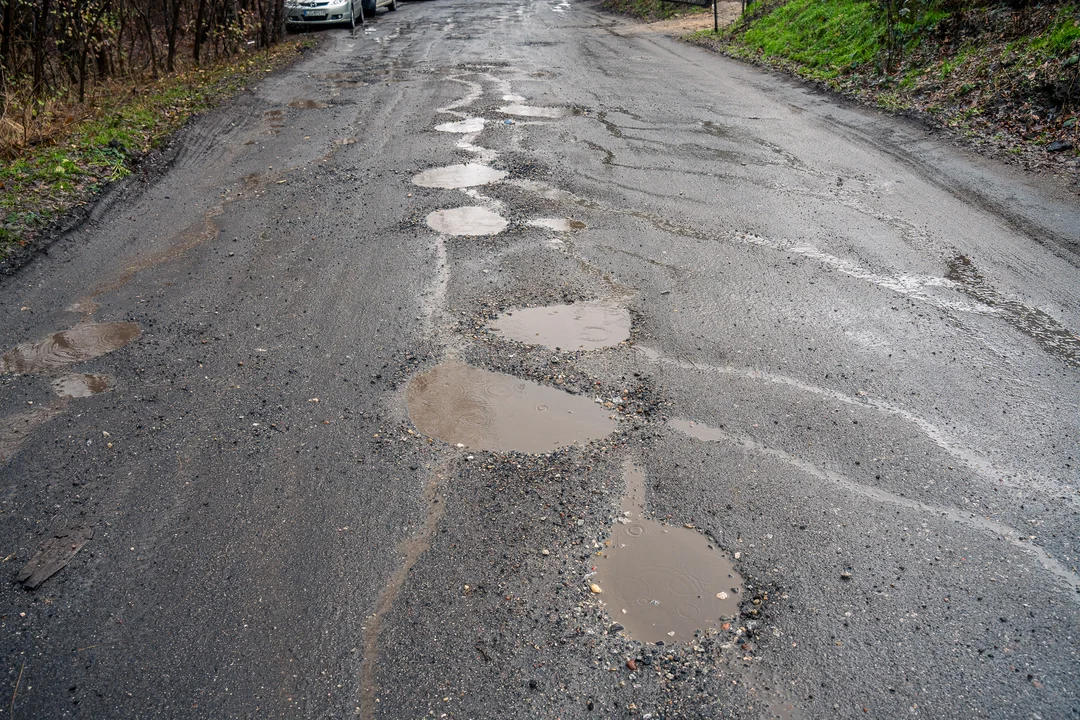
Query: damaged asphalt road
[{"x": 802, "y": 400}]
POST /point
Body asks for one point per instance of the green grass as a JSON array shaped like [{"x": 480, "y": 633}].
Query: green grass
[
  {"x": 826, "y": 38},
  {"x": 1063, "y": 35},
  {"x": 44, "y": 181}
]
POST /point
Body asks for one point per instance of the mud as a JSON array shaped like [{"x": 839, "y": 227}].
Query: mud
[
  {"x": 469, "y": 220},
  {"x": 581, "y": 326},
  {"x": 458, "y": 176},
  {"x": 482, "y": 410},
  {"x": 468, "y": 125},
  {"x": 82, "y": 342},
  {"x": 558, "y": 224},
  {"x": 663, "y": 583},
  {"x": 80, "y": 385}
]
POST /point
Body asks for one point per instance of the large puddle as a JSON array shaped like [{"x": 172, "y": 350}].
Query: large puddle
[
  {"x": 558, "y": 224},
  {"x": 551, "y": 113},
  {"x": 80, "y": 385},
  {"x": 468, "y": 125},
  {"x": 483, "y": 410},
  {"x": 581, "y": 326},
  {"x": 663, "y": 583},
  {"x": 458, "y": 176},
  {"x": 80, "y": 343},
  {"x": 471, "y": 220}
]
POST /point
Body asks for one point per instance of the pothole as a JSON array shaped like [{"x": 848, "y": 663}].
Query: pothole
[
  {"x": 581, "y": 326},
  {"x": 551, "y": 113},
  {"x": 558, "y": 224},
  {"x": 468, "y": 125},
  {"x": 470, "y": 220},
  {"x": 458, "y": 176},
  {"x": 483, "y": 410},
  {"x": 308, "y": 104},
  {"x": 80, "y": 385},
  {"x": 80, "y": 343},
  {"x": 663, "y": 583}
]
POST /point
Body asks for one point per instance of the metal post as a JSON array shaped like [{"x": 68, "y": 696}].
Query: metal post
[{"x": 715, "y": 18}]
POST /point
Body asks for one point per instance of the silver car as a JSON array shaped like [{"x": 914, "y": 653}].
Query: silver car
[{"x": 332, "y": 12}]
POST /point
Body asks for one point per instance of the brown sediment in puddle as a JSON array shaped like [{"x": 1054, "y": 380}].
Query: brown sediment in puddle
[
  {"x": 581, "y": 326},
  {"x": 308, "y": 104},
  {"x": 468, "y": 125},
  {"x": 483, "y": 410},
  {"x": 663, "y": 583},
  {"x": 16, "y": 429},
  {"x": 558, "y": 224},
  {"x": 80, "y": 385},
  {"x": 551, "y": 113},
  {"x": 471, "y": 220},
  {"x": 80, "y": 343},
  {"x": 458, "y": 176}
]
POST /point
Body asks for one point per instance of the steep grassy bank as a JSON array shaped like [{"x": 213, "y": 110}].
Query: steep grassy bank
[
  {"x": 88, "y": 145},
  {"x": 1006, "y": 76}
]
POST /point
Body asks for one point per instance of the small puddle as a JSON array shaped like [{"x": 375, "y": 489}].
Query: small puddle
[
  {"x": 1051, "y": 335},
  {"x": 80, "y": 343},
  {"x": 458, "y": 176},
  {"x": 697, "y": 430},
  {"x": 16, "y": 429},
  {"x": 80, "y": 385},
  {"x": 470, "y": 220},
  {"x": 308, "y": 105},
  {"x": 551, "y": 113},
  {"x": 581, "y": 326},
  {"x": 468, "y": 125},
  {"x": 483, "y": 410},
  {"x": 558, "y": 224},
  {"x": 663, "y": 583}
]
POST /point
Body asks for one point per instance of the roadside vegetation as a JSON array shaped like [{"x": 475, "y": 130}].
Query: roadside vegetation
[
  {"x": 1004, "y": 74},
  {"x": 88, "y": 87}
]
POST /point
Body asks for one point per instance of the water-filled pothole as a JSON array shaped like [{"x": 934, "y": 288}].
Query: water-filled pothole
[
  {"x": 581, "y": 326},
  {"x": 551, "y": 113},
  {"x": 558, "y": 224},
  {"x": 16, "y": 429},
  {"x": 696, "y": 430},
  {"x": 663, "y": 583},
  {"x": 468, "y": 125},
  {"x": 80, "y": 385},
  {"x": 470, "y": 220},
  {"x": 458, "y": 176},
  {"x": 483, "y": 410},
  {"x": 302, "y": 104},
  {"x": 80, "y": 343}
]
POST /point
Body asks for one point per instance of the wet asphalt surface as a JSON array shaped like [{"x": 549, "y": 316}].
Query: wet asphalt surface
[{"x": 875, "y": 330}]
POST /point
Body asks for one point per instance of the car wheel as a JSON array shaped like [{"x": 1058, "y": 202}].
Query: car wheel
[
  {"x": 369, "y": 7},
  {"x": 392, "y": 6}
]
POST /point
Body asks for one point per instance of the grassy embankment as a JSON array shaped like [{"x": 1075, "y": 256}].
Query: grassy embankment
[{"x": 77, "y": 149}]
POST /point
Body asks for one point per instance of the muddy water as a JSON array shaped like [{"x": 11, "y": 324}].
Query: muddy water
[
  {"x": 1051, "y": 335},
  {"x": 468, "y": 125},
  {"x": 308, "y": 104},
  {"x": 483, "y": 410},
  {"x": 581, "y": 326},
  {"x": 558, "y": 224},
  {"x": 458, "y": 176},
  {"x": 663, "y": 583},
  {"x": 80, "y": 343},
  {"x": 80, "y": 385},
  {"x": 16, "y": 429},
  {"x": 471, "y": 220},
  {"x": 697, "y": 430},
  {"x": 551, "y": 113}
]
